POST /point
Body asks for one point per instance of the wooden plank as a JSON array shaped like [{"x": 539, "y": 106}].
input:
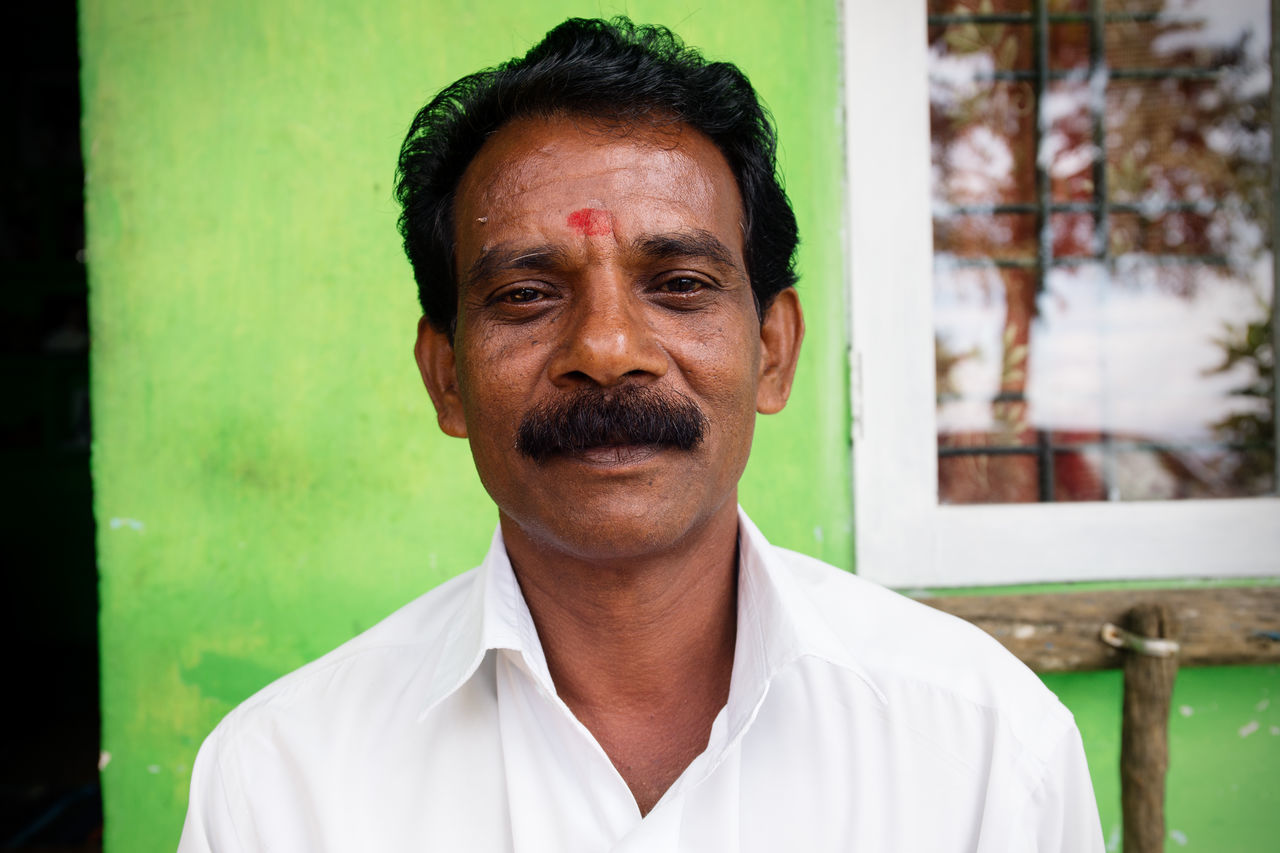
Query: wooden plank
[{"x": 1058, "y": 632}]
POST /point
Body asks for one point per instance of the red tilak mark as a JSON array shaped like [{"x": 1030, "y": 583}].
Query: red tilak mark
[{"x": 591, "y": 221}]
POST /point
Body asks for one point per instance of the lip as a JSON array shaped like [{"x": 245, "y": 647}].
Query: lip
[{"x": 615, "y": 455}]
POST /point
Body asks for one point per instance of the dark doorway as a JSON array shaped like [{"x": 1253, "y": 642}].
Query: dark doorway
[{"x": 49, "y": 795}]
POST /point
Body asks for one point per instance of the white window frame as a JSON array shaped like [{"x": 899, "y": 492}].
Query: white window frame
[{"x": 904, "y": 537}]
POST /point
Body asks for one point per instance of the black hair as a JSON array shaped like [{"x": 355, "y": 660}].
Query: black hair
[{"x": 615, "y": 71}]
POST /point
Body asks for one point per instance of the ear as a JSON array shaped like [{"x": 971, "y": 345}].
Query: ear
[
  {"x": 434, "y": 353},
  {"x": 781, "y": 332}
]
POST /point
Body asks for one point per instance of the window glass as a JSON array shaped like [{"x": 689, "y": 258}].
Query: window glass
[{"x": 1103, "y": 237}]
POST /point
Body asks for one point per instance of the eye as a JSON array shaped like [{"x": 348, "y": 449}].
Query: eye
[
  {"x": 682, "y": 284},
  {"x": 521, "y": 295}
]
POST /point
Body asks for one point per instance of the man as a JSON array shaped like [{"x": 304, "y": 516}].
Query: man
[{"x": 604, "y": 259}]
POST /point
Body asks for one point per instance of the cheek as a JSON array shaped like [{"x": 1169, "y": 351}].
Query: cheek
[
  {"x": 721, "y": 365},
  {"x": 498, "y": 380}
]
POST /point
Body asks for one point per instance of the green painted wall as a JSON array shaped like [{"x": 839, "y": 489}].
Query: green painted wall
[
  {"x": 268, "y": 476},
  {"x": 1223, "y": 791}
]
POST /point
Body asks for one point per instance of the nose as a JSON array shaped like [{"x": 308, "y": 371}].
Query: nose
[{"x": 607, "y": 338}]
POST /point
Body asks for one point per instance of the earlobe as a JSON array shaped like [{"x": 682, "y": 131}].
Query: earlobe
[
  {"x": 434, "y": 353},
  {"x": 781, "y": 332}
]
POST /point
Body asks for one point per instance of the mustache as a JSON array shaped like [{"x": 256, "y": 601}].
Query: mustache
[{"x": 592, "y": 417}]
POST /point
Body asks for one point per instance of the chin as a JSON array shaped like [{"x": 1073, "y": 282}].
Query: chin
[{"x": 617, "y": 528}]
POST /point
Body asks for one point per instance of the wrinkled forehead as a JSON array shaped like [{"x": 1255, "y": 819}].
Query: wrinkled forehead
[{"x": 532, "y": 165}]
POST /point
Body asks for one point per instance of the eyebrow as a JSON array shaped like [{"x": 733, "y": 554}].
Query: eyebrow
[
  {"x": 693, "y": 243},
  {"x": 508, "y": 257}
]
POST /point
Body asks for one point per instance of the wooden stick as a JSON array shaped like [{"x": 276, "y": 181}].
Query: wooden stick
[{"x": 1144, "y": 737}]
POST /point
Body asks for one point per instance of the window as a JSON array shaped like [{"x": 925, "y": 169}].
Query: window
[{"x": 1062, "y": 297}]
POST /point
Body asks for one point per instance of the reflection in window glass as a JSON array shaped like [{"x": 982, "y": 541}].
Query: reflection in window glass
[{"x": 1103, "y": 238}]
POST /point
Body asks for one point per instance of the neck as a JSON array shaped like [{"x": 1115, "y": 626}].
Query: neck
[{"x": 640, "y": 649}]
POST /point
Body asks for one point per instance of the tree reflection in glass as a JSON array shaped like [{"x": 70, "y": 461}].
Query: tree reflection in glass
[{"x": 1103, "y": 243}]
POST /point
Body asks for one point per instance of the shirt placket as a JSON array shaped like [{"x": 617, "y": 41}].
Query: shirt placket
[{"x": 564, "y": 793}]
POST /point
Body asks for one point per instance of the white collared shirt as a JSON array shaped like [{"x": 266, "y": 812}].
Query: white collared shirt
[{"x": 857, "y": 719}]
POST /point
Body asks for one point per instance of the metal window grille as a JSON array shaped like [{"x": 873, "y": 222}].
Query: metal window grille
[{"x": 1044, "y": 449}]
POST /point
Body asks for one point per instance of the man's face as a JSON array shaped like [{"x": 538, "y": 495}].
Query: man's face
[{"x": 593, "y": 261}]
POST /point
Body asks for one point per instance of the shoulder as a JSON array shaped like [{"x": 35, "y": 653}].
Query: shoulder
[
  {"x": 926, "y": 708},
  {"x": 907, "y": 650},
  {"x": 280, "y": 764},
  {"x": 404, "y": 655}
]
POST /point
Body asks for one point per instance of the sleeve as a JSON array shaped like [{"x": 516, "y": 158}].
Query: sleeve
[
  {"x": 210, "y": 825},
  {"x": 1067, "y": 820}
]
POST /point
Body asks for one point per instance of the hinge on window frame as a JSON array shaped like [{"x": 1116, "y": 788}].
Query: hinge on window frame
[{"x": 855, "y": 371}]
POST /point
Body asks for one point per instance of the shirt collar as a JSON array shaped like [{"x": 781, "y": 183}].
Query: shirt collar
[
  {"x": 777, "y": 625},
  {"x": 493, "y": 615}
]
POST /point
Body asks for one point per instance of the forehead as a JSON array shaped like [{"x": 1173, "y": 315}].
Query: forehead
[{"x": 538, "y": 174}]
